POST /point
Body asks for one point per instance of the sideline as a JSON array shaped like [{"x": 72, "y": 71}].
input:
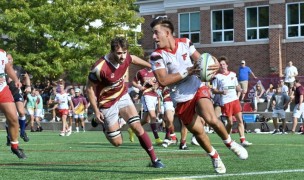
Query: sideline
[{"x": 239, "y": 174}]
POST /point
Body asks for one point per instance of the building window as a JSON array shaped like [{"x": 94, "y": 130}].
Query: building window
[
  {"x": 295, "y": 20},
  {"x": 189, "y": 26},
  {"x": 257, "y": 23},
  {"x": 222, "y": 26}
]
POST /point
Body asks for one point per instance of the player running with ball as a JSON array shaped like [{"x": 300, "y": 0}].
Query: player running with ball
[{"x": 172, "y": 65}]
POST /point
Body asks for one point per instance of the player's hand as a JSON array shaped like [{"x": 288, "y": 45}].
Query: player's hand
[
  {"x": 18, "y": 84},
  {"x": 214, "y": 67},
  {"x": 99, "y": 117},
  {"x": 194, "y": 70}
]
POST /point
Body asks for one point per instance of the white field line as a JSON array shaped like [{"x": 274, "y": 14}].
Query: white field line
[{"x": 238, "y": 174}]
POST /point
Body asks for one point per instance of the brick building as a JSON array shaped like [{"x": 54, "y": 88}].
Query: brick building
[{"x": 265, "y": 33}]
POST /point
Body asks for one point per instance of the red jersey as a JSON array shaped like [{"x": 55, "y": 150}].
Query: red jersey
[
  {"x": 110, "y": 86},
  {"x": 146, "y": 77},
  {"x": 166, "y": 94}
]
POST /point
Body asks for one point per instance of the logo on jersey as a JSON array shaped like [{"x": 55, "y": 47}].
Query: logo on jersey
[
  {"x": 184, "y": 56},
  {"x": 157, "y": 64},
  {"x": 112, "y": 75}
]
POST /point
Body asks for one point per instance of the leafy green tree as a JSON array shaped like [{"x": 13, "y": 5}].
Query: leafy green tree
[{"x": 63, "y": 38}]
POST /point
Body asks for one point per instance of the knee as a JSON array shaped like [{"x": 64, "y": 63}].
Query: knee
[{"x": 117, "y": 143}]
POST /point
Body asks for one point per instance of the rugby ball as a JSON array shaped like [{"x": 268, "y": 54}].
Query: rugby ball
[{"x": 204, "y": 61}]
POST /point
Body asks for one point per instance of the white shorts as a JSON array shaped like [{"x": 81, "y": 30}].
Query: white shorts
[
  {"x": 278, "y": 113},
  {"x": 149, "y": 103},
  {"x": 112, "y": 114},
  {"x": 39, "y": 113},
  {"x": 30, "y": 111},
  {"x": 168, "y": 105},
  {"x": 70, "y": 113},
  {"x": 297, "y": 113},
  {"x": 76, "y": 116}
]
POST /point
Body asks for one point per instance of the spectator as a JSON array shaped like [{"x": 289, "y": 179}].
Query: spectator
[
  {"x": 279, "y": 102},
  {"x": 259, "y": 91},
  {"x": 299, "y": 107},
  {"x": 285, "y": 90},
  {"x": 39, "y": 111},
  {"x": 30, "y": 102},
  {"x": 290, "y": 73},
  {"x": 269, "y": 93},
  {"x": 244, "y": 73}
]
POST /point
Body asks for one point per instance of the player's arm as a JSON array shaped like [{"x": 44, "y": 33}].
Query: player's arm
[
  {"x": 215, "y": 88},
  {"x": 92, "y": 99},
  {"x": 12, "y": 74},
  {"x": 138, "y": 61},
  {"x": 27, "y": 82}
]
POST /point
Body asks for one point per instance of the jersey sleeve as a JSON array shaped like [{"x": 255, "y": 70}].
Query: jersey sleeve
[{"x": 157, "y": 61}]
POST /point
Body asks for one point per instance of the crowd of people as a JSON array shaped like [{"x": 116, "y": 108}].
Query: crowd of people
[{"x": 167, "y": 87}]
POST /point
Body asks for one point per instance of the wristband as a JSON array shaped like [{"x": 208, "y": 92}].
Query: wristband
[{"x": 184, "y": 73}]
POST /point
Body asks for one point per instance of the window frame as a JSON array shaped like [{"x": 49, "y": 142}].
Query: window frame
[
  {"x": 189, "y": 33},
  {"x": 299, "y": 25},
  {"x": 258, "y": 28},
  {"x": 223, "y": 30}
]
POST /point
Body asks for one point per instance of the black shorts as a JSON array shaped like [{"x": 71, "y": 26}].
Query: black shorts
[{"x": 18, "y": 97}]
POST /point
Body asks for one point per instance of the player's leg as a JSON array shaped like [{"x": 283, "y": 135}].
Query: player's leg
[
  {"x": 10, "y": 112},
  {"x": 196, "y": 128},
  {"x": 205, "y": 109}
]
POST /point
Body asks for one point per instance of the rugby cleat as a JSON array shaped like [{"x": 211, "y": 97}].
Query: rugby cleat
[
  {"x": 157, "y": 164},
  {"x": 19, "y": 153},
  {"x": 239, "y": 150},
  {"x": 25, "y": 137},
  {"x": 131, "y": 134},
  {"x": 218, "y": 165}
]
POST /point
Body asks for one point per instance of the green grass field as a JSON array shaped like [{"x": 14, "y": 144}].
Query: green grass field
[{"x": 89, "y": 156}]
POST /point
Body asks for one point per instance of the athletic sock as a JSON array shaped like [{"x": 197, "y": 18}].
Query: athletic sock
[
  {"x": 154, "y": 130},
  {"x": 183, "y": 142},
  {"x": 242, "y": 139},
  {"x": 146, "y": 144},
  {"x": 213, "y": 154},
  {"x": 228, "y": 141},
  {"x": 22, "y": 121},
  {"x": 14, "y": 145}
]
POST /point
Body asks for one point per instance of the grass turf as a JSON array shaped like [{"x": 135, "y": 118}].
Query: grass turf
[{"x": 90, "y": 156}]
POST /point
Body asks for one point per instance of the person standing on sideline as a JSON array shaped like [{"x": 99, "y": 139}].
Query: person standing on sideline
[
  {"x": 244, "y": 72},
  {"x": 107, "y": 93},
  {"x": 39, "y": 114},
  {"x": 145, "y": 81},
  {"x": 290, "y": 73},
  {"x": 172, "y": 65},
  {"x": 269, "y": 93},
  {"x": 279, "y": 102},
  {"x": 80, "y": 107},
  {"x": 63, "y": 100},
  {"x": 226, "y": 84},
  {"x": 7, "y": 104},
  {"x": 299, "y": 105},
  {"x": 30, "y": 102},
  {"x": 18, "y": 98},
  {"x": 285, "y": 90}
]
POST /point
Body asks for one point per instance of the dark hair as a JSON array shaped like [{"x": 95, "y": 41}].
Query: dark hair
[
  {"x": 163, "y": 21},
  {"x": 297, "y": 81},
  {"x": 223, "y": 58},
  {"x": 118, "y": 42}
]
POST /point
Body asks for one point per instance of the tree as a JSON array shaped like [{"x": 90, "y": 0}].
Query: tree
[{"x": 52, "y": 38}]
